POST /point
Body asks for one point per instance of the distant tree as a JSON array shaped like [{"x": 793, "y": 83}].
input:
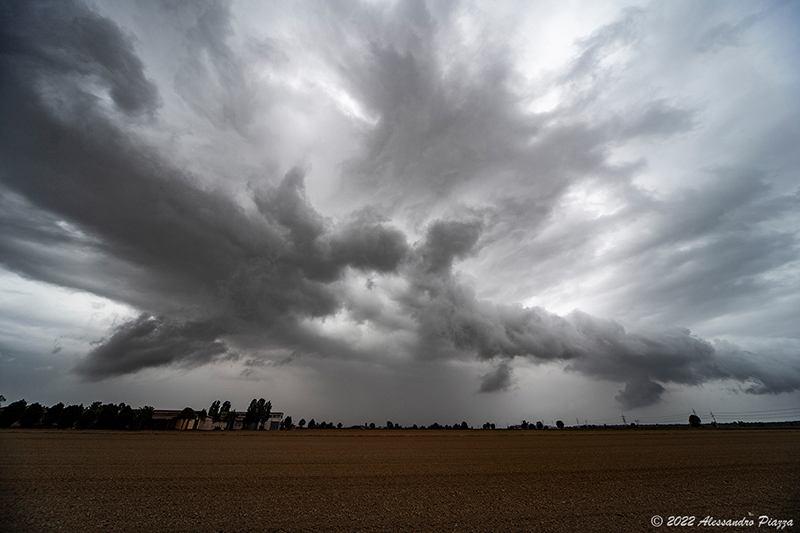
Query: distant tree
[
  {"x": 124, "y": 417},
  {"x": 435, "y": 425},
  {"x": 302, "y": 423},
  {"x": 389, "y": 424},
  {"x": 213, "y": 411},
  {"x": 694, "y": 421},
  {"x": 2, "y": 400},
  {"x": 493, "y": 426},
  {"x": 187, "y": 414},
  {"x": 52, "y": 415},
  {"x": 33, "y": 415},
  {"x": 539, "y": 425},
  {"x": 339, "y": 425},
  {"x": 229, "y": 417},
  {"x": 87, "y": 419},
  {"x": 69, "y": 416},
  {"x": 107, "y": 416},
  {"x": 559, "y": 424},
  {"x": 264, "y": 411},
  {"x": 464, "y": 425},
  {"x": 251, "y": 415},
  {"x": 12, "y": 413},
  {"x": 312, "y": 424},
  {"x": 286, "y": 423},
  {"x": 143, "y": 417},
  {"x": 524, "y": 424},
  {"x": 226, "y": 407},
  {"x": 372, "y": 425}
]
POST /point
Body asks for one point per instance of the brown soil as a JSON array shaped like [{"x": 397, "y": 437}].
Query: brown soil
[{"x": 394, "y": 480}]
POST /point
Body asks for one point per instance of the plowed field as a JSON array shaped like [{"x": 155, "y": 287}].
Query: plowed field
[{"x": 346, "y": 481}]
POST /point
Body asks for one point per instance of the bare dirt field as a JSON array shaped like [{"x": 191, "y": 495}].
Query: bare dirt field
[{"x": 331, "y": 480}]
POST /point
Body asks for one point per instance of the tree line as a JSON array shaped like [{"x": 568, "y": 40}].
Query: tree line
[
  {"x": 124, "y": 417},
  {"x": 97, "y": 416}
]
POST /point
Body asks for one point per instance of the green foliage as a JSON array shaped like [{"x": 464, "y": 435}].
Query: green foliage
[
  {"x": 124, "y": 418},
  {"x": 12, "y": 413},
  {"x": 87, "y": 419},
  {"x": 32, "y": 416},
  {"x": 70, "y": 416},
  {"x": 143, "y": 417},
  {"x": 251, "y": 415},
  {"x": 52, "y": 415},
  {"x": 694, "y": 421},
  {"x": 213, "y": 411},
  {"x": 107, "y": 416}
]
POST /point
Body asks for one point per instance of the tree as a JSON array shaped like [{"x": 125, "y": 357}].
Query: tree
[
  {"x": 559, "y": 424},
  {"x": 251, "y": 415},
  {"x": 187, "y": 414},
  {"x": 389, "y": 424},
  {"x": 694, "y": 421},
  {"x": 143, "y": 416},
  {"x": 312, "y": 424},
  {"x": 230, "y": 418},
  {"x": 87, "y": 419},
  {"x": 464, "y": 425},
  {"x": 52, "y": 415},
  {"x": 107, "y": 416},
  {"x": 372, "y": 425},
  {"x": 226, "y": 407},
  {"x": 33, "y": 414},
  {"x": 213, "y": 411},
  {"x": 339, "y": 425},
  {"x": 539, "y": 425},
  {"x": 124, "y": 418},
  {"x": 302, "y": 423},
  {"x": 69, "y": 416},
  {"x": 12, "y": 413},
  {"x": 2, "y": 400},
  {"x": 286, "y": 423},
  {"x": 264, "y": 411}
]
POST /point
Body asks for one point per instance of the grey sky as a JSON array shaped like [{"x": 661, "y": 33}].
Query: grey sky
[{"x": 406, "y": 210}]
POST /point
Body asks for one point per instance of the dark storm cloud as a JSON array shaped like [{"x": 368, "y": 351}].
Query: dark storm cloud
[
  {"x": 72, "y": 42},
  {"x": 498, "y": 379},
  {"x": 446, "y": 241},
  {"x": 192, "y": 247},
  {"x": 148, "y": 342},
  {"x": 639, "y": 393},
  {"x": 92, "y": 206},
  {"x": 212, "y": 79}
]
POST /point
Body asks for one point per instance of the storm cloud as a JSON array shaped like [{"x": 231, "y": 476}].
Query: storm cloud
[{"x": 434, "y": 209}]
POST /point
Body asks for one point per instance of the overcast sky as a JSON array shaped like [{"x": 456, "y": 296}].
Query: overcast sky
[{"x": 371, "y": 211}]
